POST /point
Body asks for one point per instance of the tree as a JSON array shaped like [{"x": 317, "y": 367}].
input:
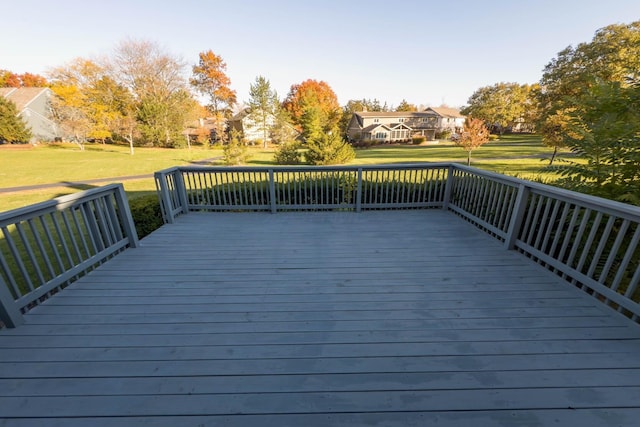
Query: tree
[
  {"x": 317, "y": 95},
  {"x": 209, "y": 78},
  {"x": 235, "y": 150},
  {"x": 605, "y": 131},
  {"x": 474, "y": 135},
  {"x": 311, "y": 122},
  {"x": 554, "y": 130},
  {"x": 263, "y": 106},
  {"x": 12, "y": 128},
  {"x": 501, "y": 105},
  {"x": 33, "y": 80},
  {"x": 405, "y": 106},
  {"x": 9, "y": 79},
  {"x": 288, "y": 153},
  {"x": 158, "y": 88},
  {"x": 329, "y": 149},
  {"x": 69, "y": 110},
  {"x": 613, "y": 55},
  {"x": 83, "y": 85}
]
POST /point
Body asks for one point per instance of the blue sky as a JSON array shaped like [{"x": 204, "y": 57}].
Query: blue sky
[{"x": 427, "y": 52}]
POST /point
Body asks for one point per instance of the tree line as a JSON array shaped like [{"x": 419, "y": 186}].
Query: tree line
[{"x": 588, "y": 100}]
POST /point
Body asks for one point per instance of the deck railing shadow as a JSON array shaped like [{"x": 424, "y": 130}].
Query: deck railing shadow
[{"x": 592, "y": 243}]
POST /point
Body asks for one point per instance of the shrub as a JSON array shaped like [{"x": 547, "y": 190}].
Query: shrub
[
  {"x": 418, "y": 139},
  {"x": 288, "y": 153},
  {"x": 235, "y": 151},
  {"x": 494, "y": 137},
  {"x": 364, "y": 143},
  {"x": 329, "y": 149},
  {"x": 146, "y": 214},
  {"x": 443, "y": 134}
]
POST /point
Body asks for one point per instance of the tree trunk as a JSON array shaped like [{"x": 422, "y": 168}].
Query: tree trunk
[
  {"x": 264, "y": 131},
  {"x": 553, "y": 156},
  {"x": 468, "y": 158}
]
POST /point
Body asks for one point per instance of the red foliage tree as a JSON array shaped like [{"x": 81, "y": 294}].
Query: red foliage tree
[
  {"x": 9, "y": 79},
  {"x": 313, "y": 94},
  {"x": 33, "y": 80}
]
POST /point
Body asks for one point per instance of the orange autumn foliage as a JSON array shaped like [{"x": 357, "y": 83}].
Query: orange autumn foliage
[{"x": 313, "y": 94}]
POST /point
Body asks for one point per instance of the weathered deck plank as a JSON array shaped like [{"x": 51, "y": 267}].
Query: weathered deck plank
[{"x": 320, "y": 319}]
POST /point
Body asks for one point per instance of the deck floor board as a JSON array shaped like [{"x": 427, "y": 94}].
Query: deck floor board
[{"x": 394, "y": 318}]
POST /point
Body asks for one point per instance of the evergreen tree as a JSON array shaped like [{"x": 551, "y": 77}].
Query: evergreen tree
[
  {"x": 235, "y": 151},
  {"x": 263, "y": 106},
  {"x": 329, "y": 149},
  {"x": 12, "y": 128}
]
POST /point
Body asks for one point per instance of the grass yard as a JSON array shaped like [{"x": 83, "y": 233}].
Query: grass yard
[{"x": 518, "y": 155}]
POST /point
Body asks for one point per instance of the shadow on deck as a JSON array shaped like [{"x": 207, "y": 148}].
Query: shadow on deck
[{"x": 386, "y": 318}]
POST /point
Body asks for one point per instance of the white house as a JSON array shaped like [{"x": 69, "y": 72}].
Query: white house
[
  {"x": 448, "y": 118},
  {"x": 251, "y": 131}
]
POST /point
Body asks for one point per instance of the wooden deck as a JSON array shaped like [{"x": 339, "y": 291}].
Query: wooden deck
[{"x": 396, "y": 318}]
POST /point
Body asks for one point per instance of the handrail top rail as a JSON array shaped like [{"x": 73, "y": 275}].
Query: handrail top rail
[
  {"x": 58, "y": 203},
  {"x": 284, "y": 168}
]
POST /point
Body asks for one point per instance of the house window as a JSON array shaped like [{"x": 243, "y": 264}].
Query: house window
[
  {"x": 401, "y": 120},
  {"x": 381, "y": 135},
  {"x": 376, "y": 120}
]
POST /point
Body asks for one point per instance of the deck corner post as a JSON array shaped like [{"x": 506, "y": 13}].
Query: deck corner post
[
  {"x": 181, "y": 188},
  {"x": 165, "y": 198},
  {"x": 127, "y": 219},
  {"x": 272, "y": 191},
  {"x": 517, "y": 216},
  {"x": 447, "y": 188},
  {"x": 10, "y": 315},
  {"x": 359, "y": 191}
]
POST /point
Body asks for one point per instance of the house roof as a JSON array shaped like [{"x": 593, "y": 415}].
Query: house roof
[
  {"x": 393, "y": 113},
  {"x": 375, "y": 126},
  {"x": 452, "y": 113},
  {"x": 22, "y": 96}
]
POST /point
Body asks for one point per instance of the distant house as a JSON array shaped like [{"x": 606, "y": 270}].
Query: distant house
[
  {"x": 202, "y": 128},
  {"x": 250, "y": 130},
  {"x": 398, "y": 126},
  {"x": 448, "y": 118},
  {"x": 34, "y": 107}
]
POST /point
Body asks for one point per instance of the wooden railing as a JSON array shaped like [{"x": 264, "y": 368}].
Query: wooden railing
[
  {"x": 592, "y": 243},
  {"x": 354, "y": 188},
  {"x": 45, "y": 247}
]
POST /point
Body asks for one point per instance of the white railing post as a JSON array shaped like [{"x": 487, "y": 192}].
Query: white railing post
[
  {"x": 517, "y": 216},
  {"x": 9, "y": 312},
  {"x": 272, "y": 191},
  {"x": 127, "y": 219},
  {"x": 447, "y": 188},
  {"x": 166, "y": 206},
  {"x": 181, "y": 188},
  {"x": 359, "y": 192}
]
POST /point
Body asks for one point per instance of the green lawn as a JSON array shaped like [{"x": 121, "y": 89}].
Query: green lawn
[{"x": 518, "y": 155}]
